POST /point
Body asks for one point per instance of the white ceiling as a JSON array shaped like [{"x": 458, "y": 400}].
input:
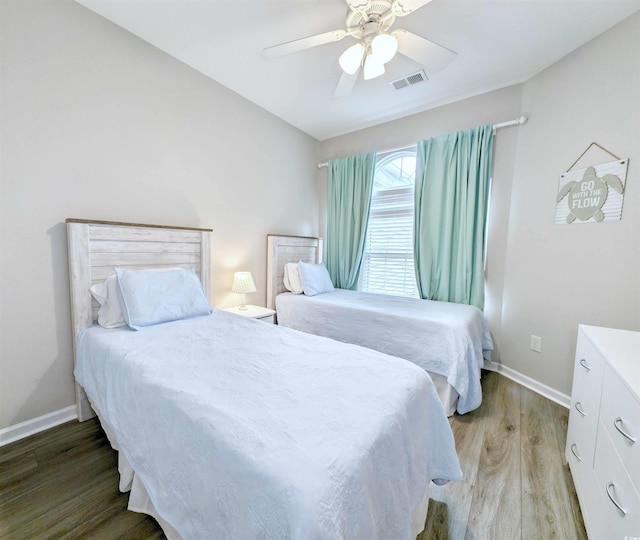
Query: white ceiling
[{"x": 499, "y": 43}]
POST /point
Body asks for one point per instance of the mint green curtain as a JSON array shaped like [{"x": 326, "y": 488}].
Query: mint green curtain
[
  {"x": 349, "y": 199},
  {"x": 451, "y": 198}
]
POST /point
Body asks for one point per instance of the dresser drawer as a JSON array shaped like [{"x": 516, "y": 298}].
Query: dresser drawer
[
  {"x": 620, "y": 415},
  {"x": 615, "y": 487},
  {"x": 588, "y": 372},
  {"x": 581, "y": 433}
]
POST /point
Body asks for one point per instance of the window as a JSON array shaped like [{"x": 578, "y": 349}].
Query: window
[{"x": 387, "y": 263}]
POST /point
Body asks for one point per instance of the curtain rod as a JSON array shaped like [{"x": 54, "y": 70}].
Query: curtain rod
[{"x": 516, "y": 122}]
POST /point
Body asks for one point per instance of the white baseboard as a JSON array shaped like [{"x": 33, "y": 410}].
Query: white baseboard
[
  {"x": 36, "y": 425},
  {"x": 531, "y": 384}
]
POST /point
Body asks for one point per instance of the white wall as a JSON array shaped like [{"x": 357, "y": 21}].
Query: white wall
[
  {"x": 98, "y": 124},
  {"x": 545, "y": 279},
  {"x": 559, "y": 276}
]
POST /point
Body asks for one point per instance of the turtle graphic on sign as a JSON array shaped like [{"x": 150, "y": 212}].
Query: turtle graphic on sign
[{"x": 586, "y": 196}]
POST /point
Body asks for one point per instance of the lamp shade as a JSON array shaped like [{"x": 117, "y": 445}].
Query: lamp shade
[
  {"x": 384, "y": 47},
  {"x": 350, "y": 59},
  {"x": 243, "y": 283},
  {"x": 372, "y": 67}
]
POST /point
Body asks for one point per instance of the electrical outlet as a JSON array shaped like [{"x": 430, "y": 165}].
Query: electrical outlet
[{"x": 536, "y": 343}]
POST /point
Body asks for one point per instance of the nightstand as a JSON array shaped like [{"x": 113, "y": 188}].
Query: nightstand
[{"x": 255, "y": 312}]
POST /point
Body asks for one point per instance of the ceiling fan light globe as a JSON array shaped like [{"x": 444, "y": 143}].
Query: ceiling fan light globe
[
  {"x": 384, "y": 47},
  {"x": 372, "y": 67},
  {"x": 351, "y": 58}
]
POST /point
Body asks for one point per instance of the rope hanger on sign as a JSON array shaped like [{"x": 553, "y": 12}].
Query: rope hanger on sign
[{"x": 589, "y": 148}]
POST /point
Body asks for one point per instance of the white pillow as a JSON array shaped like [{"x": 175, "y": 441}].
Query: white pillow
[
  {"x": 106, "y": 294},
  {"x": 149, "y": 297},
  {"x": 315, "y": 278},
  {"x": 292, "y": 280}
]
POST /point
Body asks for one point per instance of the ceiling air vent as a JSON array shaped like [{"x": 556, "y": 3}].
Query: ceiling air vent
[{"x": 414, "y": 78}]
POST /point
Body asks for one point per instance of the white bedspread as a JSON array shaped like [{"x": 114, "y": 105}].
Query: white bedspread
[
  {"x": 441, "y": 337},
  {"x": 240, "y": 429}
]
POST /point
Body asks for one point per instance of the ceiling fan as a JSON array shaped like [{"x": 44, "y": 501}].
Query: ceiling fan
[{"x": 369, "y": 22}]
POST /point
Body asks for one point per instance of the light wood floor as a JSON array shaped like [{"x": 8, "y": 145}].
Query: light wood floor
[
  {"x": 516, "y": 483},
  {"x": 63, "y": 483}
]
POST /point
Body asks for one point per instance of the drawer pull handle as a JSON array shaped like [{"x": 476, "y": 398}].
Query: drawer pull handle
[
  {"x": 616, "y": 503},
  {"x": 573, "y": 451},
  {"x": 584, "y": 364},
  {"x": 617, "y": 422},
  {"x": 578, "y": 407}
]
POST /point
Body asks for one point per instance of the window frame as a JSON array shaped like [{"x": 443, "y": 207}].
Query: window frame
[{"x": 391, "y": 262}]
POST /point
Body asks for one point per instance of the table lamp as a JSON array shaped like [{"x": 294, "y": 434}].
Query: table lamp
[{"x": 243, "y": 284}]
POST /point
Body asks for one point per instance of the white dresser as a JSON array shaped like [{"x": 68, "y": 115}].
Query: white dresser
[{"x": 603, "y": 440}]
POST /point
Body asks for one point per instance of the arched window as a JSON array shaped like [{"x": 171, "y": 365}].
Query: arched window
[{"x": 387, "y": 263}]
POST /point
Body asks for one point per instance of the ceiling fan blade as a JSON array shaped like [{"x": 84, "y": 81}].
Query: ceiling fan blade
[
  {"x": 303, "y": 43},
  {"x": 346, "y": 84},
  {"x": 430, "y": 55},
  {"x": 400, "y": 8}
]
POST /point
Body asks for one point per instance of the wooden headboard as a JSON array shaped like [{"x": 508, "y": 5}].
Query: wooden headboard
[
  {"x": 287, "y": 249},
  {"x": 96, "y": 248}
]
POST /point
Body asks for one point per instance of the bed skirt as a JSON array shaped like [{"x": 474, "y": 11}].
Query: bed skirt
[{"x": 447, "y": 393}]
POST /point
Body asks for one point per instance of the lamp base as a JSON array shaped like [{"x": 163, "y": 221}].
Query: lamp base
[{"x": 243, "y": 307}]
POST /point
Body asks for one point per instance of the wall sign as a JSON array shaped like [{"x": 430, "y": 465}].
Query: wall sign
[{"x": 592, "y": 194}]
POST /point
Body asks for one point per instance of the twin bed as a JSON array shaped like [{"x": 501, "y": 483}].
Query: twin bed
[
  {"x": 227, "y": 427},
  {"x": 449, "y": 341}
]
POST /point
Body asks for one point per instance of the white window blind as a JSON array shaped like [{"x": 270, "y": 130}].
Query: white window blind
[{"x": 387, "y": 264}]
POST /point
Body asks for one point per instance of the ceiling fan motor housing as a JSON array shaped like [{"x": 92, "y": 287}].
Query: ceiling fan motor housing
[{"x": 378, "y": 17}]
